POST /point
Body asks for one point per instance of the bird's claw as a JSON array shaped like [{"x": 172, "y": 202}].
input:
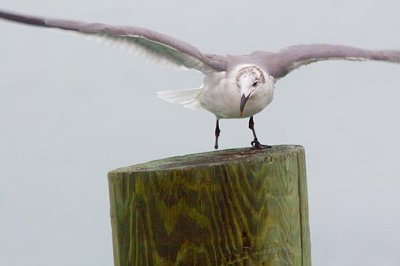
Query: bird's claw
[{"x": 256, "y": 144}]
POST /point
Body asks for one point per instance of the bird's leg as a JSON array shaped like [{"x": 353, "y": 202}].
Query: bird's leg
[
  {"x": 217, "y": 131},
  {"x": 255, "y": 143}
]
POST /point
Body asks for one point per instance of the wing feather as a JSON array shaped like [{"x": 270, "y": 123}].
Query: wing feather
[
  {"x": 153, "y": 43},
  {"x": 281, "y": 63}
]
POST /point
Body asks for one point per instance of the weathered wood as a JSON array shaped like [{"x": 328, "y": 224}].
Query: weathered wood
[{"x": 230, "y": 207}]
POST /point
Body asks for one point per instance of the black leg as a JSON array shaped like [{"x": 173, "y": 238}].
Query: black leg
[
  {"x": 217, "y": 131},
  {"x": 255, "y": 143}
]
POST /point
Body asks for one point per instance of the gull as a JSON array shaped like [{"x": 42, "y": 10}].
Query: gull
[{"x": 234, "y": 86}]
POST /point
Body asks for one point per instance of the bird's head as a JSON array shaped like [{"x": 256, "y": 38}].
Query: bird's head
[{"x": 250, "y": 81}]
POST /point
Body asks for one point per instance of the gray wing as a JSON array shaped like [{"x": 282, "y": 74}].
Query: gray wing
[
  {"x": 281, "y": 63},
  {"x": 155, "y": 44}
]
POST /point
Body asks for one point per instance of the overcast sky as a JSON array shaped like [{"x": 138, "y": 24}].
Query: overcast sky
[{"x": 73, "y": 109}]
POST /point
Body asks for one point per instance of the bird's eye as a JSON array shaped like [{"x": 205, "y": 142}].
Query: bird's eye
[{"x": 255, "y": 83}]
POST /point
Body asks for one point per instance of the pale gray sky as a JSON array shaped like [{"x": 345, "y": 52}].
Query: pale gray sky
[{"x": 73, "y": 109}]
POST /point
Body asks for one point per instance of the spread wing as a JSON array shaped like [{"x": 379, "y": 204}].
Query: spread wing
[
  {"x": 154, "y": 44},
  {"x": 281, "y": 63}
]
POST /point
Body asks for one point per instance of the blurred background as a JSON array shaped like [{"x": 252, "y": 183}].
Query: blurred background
[{"x": 73, "y": 109}]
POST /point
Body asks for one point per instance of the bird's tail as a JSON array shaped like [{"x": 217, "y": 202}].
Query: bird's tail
[{"x": 188, "y": 98}]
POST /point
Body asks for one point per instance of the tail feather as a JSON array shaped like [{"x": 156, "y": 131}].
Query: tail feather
[{"x": 188, "y": 98}]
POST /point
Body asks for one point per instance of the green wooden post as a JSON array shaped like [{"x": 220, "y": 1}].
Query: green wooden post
[{"x": 229, "y": 207}]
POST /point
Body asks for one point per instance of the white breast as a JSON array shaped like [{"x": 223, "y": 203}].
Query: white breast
[{"x": 221, "y": 96}]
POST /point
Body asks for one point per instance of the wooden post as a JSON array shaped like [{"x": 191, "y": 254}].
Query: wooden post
[{"x": 229, "y": 207}]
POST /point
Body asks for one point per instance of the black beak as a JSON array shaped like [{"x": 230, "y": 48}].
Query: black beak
[{"x": 243, "y": 102}]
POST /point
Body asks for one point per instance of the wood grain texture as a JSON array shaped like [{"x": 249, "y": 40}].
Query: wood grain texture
[{"x": 230, "y": 207}]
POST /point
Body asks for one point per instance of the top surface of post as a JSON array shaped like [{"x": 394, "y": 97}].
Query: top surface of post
[{"x": 212, "y": 158}]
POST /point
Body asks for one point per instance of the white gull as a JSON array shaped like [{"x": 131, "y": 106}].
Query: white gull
[{"x": 234, "y": 86}]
